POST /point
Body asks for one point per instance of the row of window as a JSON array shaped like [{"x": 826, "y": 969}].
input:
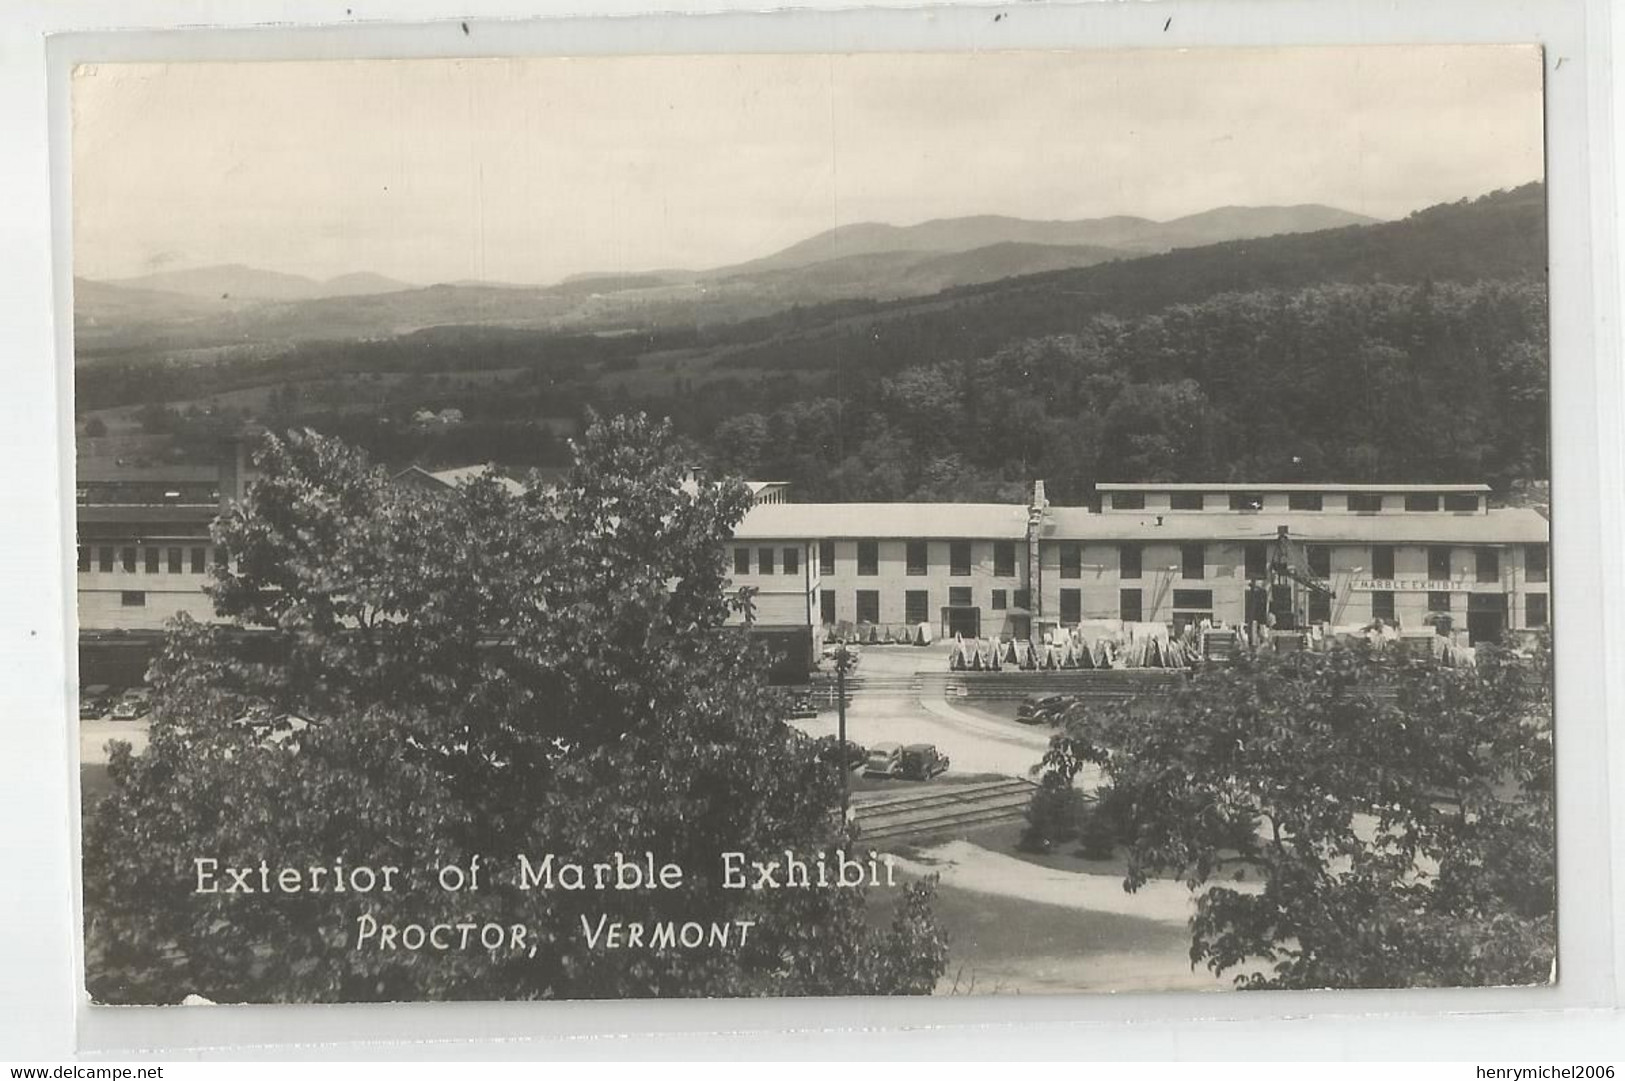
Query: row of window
[
  {"x": 917, "y": 603},
  {"x": 917, "y": 558},
  {"x": 790, "y": 564},
  {"x": 1193, "y": 560},
  {"x": 1190, "y": 605},
  {"x": 176, "y": 560},
  {"x": 1358, "y": 502}
]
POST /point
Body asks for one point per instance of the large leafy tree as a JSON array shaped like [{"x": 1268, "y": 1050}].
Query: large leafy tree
[
  {"x": 412, "y": 680},
  {"x": 1347, "y": 819}
]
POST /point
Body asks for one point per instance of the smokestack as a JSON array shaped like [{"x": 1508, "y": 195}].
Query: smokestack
[
  {"x": 233, "y": 468},
  {"x": 1035, "y": 576}
]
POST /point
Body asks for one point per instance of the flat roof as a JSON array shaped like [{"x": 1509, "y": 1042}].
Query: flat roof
[
  {"x": 156, "y": 514},
  {"x": 103, "y": 471},
  {"x": 1228, "y": 487},
  {"x": 1502, "y": 525},
  {"x": 884, "y": 521}
]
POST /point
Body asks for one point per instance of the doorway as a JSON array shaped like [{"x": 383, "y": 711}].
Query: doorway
[
  {"x": 963, "y": 621},
  {"x": 1486, "y": 617}
]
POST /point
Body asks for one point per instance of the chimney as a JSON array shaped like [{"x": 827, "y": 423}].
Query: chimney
[
  {"x": 1035, "y": 578},
  {"x": 233, "y": 468}
]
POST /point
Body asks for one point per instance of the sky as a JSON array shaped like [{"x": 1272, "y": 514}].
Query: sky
[{"x": 532, "y": 169}]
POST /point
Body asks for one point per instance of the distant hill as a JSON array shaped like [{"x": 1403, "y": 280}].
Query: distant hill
[
  {"x": 237, "y": 282},
  {"x": 1127, "y": 234},
  {"x": 1500, "y": 236}
]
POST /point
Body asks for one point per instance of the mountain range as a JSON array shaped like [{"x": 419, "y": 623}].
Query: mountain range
[{"x": 236, "y": 303}]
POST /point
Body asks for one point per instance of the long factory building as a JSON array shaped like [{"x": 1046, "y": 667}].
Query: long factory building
[{"x": 1411, "y": 555}]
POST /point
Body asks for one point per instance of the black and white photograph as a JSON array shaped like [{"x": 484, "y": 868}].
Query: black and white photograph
[{"x": 853, "y": 524}]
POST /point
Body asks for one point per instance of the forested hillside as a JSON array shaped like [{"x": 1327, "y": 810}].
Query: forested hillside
[
  {"x": 1375, "y": 382},
  {"x": 1413, "y": 350}
]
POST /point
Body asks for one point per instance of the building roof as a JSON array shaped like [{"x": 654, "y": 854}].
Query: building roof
[
  {"x": 756, "y": 486},
  {"x": 153, "y": 515},
  {"x": 1227, "y": 487},
  {"x": 818, "y": 521},
  {"x": 106, "y": 471},
  {"x": 459, "y": 476},
  {"x": 1502, "y": 525}
]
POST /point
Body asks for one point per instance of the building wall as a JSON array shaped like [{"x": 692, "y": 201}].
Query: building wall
[
  {"x": 893, "y": 583},
  {"x": 1100, "y": 581},
  {"x": 102, "y": 607}
]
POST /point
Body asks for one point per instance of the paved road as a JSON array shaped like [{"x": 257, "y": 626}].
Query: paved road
[{"x": 95, "y": 735}]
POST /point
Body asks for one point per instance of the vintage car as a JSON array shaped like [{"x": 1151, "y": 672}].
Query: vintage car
[
  {"x": 884, "y": 760},
  {"x": 921, "y": 762},
  {"x": 132, "y": 705},
  {"x": 849, "y": 755},
  {"x": 94, "y": 702}
]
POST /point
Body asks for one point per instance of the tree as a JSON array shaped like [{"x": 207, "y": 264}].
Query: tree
[
  {"x": 1346, "y": 819},
  {"x": 412, "y": 680}
]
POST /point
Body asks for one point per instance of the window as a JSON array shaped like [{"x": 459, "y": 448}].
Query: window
[
  {"x": 826, "y": 607},
  {"x": 1365, "y": 502},
  {"x": 1458, "y": 502},
  {"x": 917, "y": 606},
  {"x": 1194, "y": 558},
  {"x": 1320, "y": 608},
  {"x": 104, "y": 559},
  {"x": 174, "y": 561},
  {"x": 741, "y": 560},
  {"x": 199, "y": 560},
  {"x": 1246, "y": 501},
  {"x": 1439, "y": 601},
  {"x": 959, "y": 596},
  {"x": 1320, "y": 560},
  {"x": 1128, "y": 561},
  {"x": 150, "y": 558},
  {"x": 918, "y": 560},
  {"x": 1304, "y": 501},
  {"x": 959, "y": 558},
  {"x": 1487, "y": 564},
  {"x": 1071, "y": 605},
  {"x": 1004, "y": 559},
  {"x": 1382, "y": 604},
  {"x": 1535, "y": 563},
  {"x": 132, "y": 598},
  {"x": 128, "y": 559},
  {"x": 1257, "y": 560},
  {"x": 868, "y": 557},
  {"x": 826, "y": 557},
  {"x": 1422, "y": 501},
  {"x": 1128, "y": 501},
  {"x": 1191, "y": 606},
  {"x": 1535, "y": 610},
  {"x": 1382, "y": 562},
  {"x": 868, "y": 606},
  {"x": 1185, "y": 501},
  {"x": 764, "y": 561},
  {"x": 1439, "y": 564},
  {"x": 1000, "y": 600},
  {"x": 1071, "y": 561},
  {"x": 84, "y": 558},
  {"x": 1128, "y": 606},
  {"x": 792, "y": 561},
  {"x": 1023, "y": 598}
]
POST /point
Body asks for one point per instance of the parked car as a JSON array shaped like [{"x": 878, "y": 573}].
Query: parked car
[
  {"x": 921, "y": 762},
  {"x": 132, "y": 705},
  {"x": 849, "y": 754},
  {"x": 884, "y": 760},
  {"x": 94, "y": 701}
]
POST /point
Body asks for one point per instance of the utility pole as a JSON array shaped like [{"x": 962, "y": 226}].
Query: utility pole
[{"x": 842, "y": 659}]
